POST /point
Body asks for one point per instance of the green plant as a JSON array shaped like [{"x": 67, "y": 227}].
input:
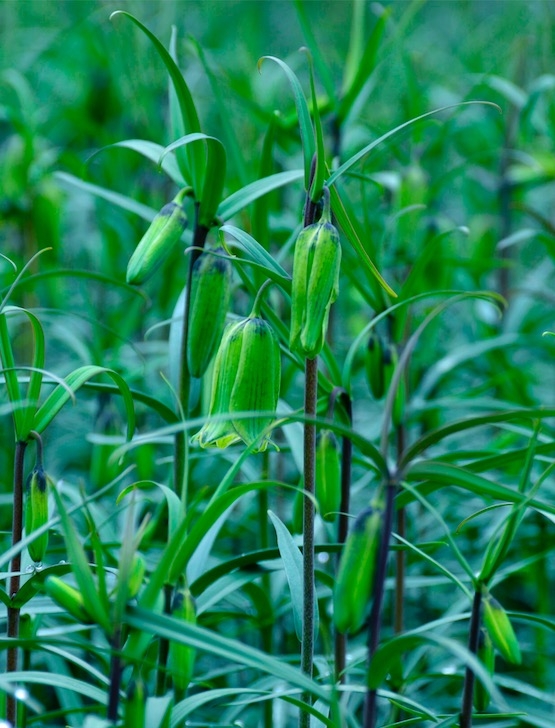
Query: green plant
[{"x": 366, "y": 259}]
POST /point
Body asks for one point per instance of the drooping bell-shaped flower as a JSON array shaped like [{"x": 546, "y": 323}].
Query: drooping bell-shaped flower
[
  {"x": 246, "y": 382},
  {"x": 210, "y": 294}
]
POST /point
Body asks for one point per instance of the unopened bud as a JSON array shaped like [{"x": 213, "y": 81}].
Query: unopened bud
[
  {"x": 500, "y": 630},
  {"x": 182, "y": 657},
  {"x": 68, "y": 598},
  {"x": 328, "y": 475},
  {"x": 158, "y": 241},
  {"x": 210, "y": 294},
  {"x": 315, "y": 284},
  {"x": 355, "y": 576},
  {"x": 36, "y": 512}
]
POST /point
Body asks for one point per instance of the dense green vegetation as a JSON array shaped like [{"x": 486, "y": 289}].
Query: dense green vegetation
[{"x": 152, "y": 579}]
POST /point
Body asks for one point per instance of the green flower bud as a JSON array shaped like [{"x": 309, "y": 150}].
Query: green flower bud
[
  {"x": 210, "y": 294},
  {"x": 486, "y": 654},
  {"x": 181, "y": 659},
  {"x": 328, "y": 475},
  {"x": 246, "y": 379},
  {"x": 355, "y": 576},
  {"x": 68, "y": 598},
  {"x": 158, "y": 241},
  {"x": 315, "y": 285},
  {"x": 36, "y": 512},
  {"x": 501, "y": 630}
]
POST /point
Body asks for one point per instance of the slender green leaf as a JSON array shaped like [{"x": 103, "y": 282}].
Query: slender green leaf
[
  {"x": 259, "y": 256},
  {"x": 389, "y": 653},
  {"x": 126, "y": 203},
  {"x": 251, "y": 192},
  {"x": 346, "y": 166},
  {"x": 317, "y": 186},
  {"x": 293, "y": 566},
  {"x": 360, "y": 65},
  {"x": 74, "y": 381},
  {"x": 81, "y": 569},
  {"x": 303, "y": 115},
  {"x": 237, "y": 653},
  {"x": 194, "y": 170},
  {"x": 345, "y": 221},
  {"x": 151, "y": 151},
  {"x": 62, "y": 682}
]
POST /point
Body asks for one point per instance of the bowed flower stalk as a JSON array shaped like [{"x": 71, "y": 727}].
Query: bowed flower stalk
[
  {"x": 246, "y": 379},
  {"x": 315, "y": 286}
]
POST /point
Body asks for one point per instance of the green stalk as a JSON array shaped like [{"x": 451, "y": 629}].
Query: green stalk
[
  {"x": 307, "y": 645},
  {"x": 473, "y": 639},
  {"x": 400, "y": 555},
  {"x": 370, "y": 707},
  {"x": 181, "y": 466},
  {"x": 15, "y": 568},
  {"x": 309, "y": 467},
  {"x": 164, "y": 646},
  {"x": 266, "y": 630},
  {"x": 115, "y": 677},
  {"x": 340, "y": 640}
]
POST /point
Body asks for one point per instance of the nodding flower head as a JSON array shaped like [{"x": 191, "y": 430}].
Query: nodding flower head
[{"x": 245, "y": 386}]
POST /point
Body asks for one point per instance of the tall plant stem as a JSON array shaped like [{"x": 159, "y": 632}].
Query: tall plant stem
[
  {"x": 115, "y": 677},
  {"x": 400, "y": 555},
  {"x": 473, "y": 640},
  {"x": 370, "y": 707},
  {"x": 15, "y": 579},
  {"x": 309, "y": 466},
  {"x": 307, "y": 647},
  {"x": 164, "y": 646},
  {"x": 181, "y": 465},
  {"x": 266, "y": 631},
  {"x": 342, "y": 529}
]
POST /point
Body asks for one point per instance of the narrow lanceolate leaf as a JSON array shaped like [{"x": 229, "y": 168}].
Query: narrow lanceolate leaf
[
  {"x": 74, "y": 381},
  {"x": 346, "y": 166},
  {"x": 305, "y": 123},
  {"x": 251, "y": 192},
  {"x": 82, "y": 572},
  {"x": 235, "y": 652},
  {"x": 181, "y": 660},
  {"x": 352, "y": 236},
  {"x": 293, "y": 565},
  {"x": 23, "y": 405},
  {"x": 317, "y": 186},
  {"x": 153, "y": 152},
  {"x": 258, "y": 255},
  {"x": 192, "y": 167}
]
